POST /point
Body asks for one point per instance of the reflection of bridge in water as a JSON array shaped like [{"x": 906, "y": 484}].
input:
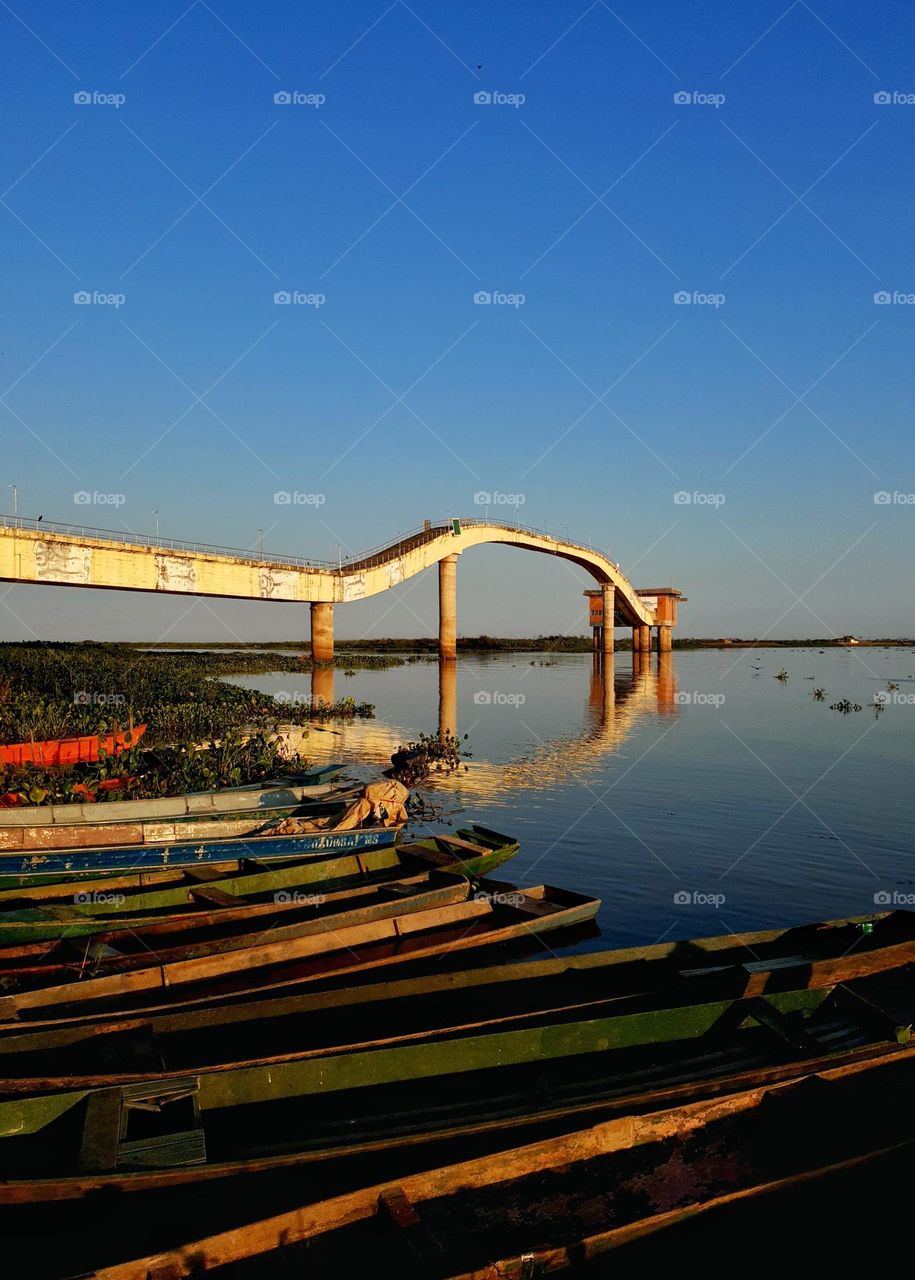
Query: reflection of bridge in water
[{"x": 618, "y": 697}]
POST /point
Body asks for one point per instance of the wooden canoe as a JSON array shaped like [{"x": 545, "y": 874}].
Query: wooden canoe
[
  {"x": 444, "y": 931},
  {"x": 65, "y": 751},
  {"x": 473, "y": 851},
  {"x": 547, "y": 1206},
  {"x": 277, "y": 794},
  {"x": 502, "y": 996},
  {"x": 221, "y": 923},
  {"x": 233, "y": 1100},
  {"x": 183, "y": 852},
  {"x": 161, "y": 830}
]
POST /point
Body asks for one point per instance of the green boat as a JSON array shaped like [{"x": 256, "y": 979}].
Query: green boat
[
  {"x": 273, "y": 957},
  {"x": 78, "y": 909}
]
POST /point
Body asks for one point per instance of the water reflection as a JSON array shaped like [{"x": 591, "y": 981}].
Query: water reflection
[{"x": 618, "y": 696}]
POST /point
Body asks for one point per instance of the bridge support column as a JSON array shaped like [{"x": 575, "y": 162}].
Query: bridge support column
[
  {"x": 322, "y": 632},
  {"x": 645, "y": 641},
  {"x": 608, "y": 592},
  {"x": 664, "y": 639},
  {"x": 636, "y": 639},
  {"x": 447, "y": 607}
]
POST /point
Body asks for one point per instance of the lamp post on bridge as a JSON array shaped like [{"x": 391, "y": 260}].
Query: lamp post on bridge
[{"x": 15, "y": 504}]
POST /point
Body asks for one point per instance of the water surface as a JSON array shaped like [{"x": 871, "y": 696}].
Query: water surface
[{"x": 694, "y": 793}]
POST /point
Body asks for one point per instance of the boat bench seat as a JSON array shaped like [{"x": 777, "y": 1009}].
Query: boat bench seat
[{"x": 216, "y": 896}]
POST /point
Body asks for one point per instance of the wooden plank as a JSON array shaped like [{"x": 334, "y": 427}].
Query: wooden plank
[
  {"x": 774, "y": 1020},
  {"x": 98, "y": 1151},
  {"x": 218, "y": 897},
  {"x": 166, "y": 1151}
]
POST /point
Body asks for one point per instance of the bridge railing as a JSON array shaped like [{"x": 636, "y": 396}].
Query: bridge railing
[
  {"x": 152, "y": 543},
  {"x": 402, "y": 544}
]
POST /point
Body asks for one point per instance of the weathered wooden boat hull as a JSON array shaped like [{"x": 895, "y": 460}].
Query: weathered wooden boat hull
[
  {"x": 137, "y": 942},
  {"x": 447, "y": 930},
  {"x": 72, "y": 908},
  {"x": 184, "y": 853},
  {"x": 570, "y": 1197},
  {"x": 164, "y": 830},
  {"x": 282, "y": 794}
]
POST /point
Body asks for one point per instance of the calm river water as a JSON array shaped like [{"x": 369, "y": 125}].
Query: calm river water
[{"x": 693, "y": 794}]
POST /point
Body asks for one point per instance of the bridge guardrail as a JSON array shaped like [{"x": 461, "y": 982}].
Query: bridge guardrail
[{"x": 366, "y": 560}]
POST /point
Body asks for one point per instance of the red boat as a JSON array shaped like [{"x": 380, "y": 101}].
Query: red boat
[{"x": 58, "y": 751}]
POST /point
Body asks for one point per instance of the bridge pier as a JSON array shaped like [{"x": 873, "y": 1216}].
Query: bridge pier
[
  {"x": 608, "y": 600},
  {"x": 447, "y": 607},
  {"x": 664, "y": 639},
  {"x": 322, "y": 632}
]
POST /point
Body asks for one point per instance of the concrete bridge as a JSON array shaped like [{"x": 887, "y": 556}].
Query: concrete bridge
[{"x": 34, "y": 551}]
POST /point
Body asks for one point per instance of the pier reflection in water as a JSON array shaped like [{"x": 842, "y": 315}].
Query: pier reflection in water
[
  {"x": 527, "y": 734},
  {"x": 668, "y": 786}
]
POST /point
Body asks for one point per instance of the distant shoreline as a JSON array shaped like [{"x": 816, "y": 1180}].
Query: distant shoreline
[{"x": 492, "y": 644}]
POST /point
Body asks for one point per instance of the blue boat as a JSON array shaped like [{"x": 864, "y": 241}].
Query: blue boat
[{"x": 189, "y": 853}]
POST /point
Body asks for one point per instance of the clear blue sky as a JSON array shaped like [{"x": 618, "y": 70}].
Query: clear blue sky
[{"x": 398, "y": 198}]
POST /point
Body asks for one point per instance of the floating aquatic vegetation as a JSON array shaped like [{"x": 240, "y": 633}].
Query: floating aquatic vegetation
[
  {"x": 430, "y": 753},
  {"x": 845, "y": 706}
]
